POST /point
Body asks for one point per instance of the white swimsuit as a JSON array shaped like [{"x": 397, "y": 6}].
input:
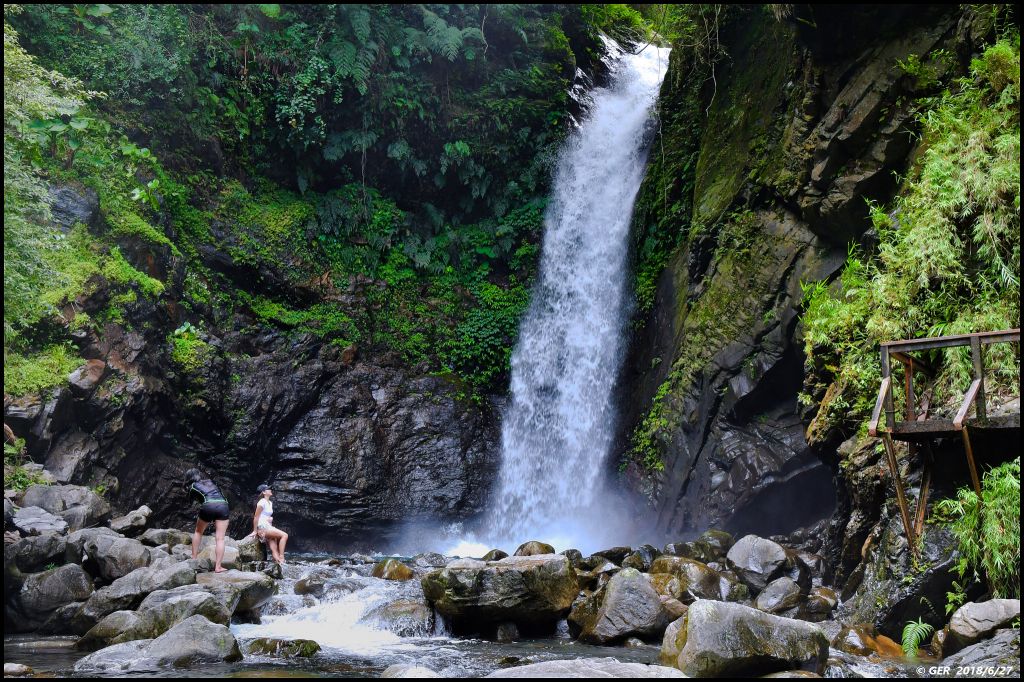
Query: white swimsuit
[{"x": 266, "y": 519}]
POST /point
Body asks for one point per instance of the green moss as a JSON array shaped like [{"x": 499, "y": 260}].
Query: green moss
[
  {"x": 35, "y": 372},
  {"x": 123, "y": 221},
  {"x": 189, "y": 352}
]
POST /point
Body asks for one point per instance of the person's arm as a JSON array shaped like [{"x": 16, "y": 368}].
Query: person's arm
[{"x": 256, "y": 517}]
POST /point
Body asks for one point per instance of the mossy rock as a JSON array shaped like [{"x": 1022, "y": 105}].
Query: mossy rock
[
  {"x": 284, "y": 648},
  {"x": 392, "y": 569}
]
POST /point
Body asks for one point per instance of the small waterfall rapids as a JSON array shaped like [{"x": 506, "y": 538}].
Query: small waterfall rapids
[{"x": 559, "y": 427}]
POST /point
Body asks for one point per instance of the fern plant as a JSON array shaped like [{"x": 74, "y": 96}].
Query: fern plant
[{"x": 914, "y": 634}]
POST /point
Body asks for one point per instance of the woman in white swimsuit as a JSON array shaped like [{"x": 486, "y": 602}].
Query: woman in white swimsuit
[{"x": 263, "y": 525}]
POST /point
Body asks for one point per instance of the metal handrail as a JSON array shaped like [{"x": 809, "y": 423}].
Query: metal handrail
[{"x": 961, "y": 415}]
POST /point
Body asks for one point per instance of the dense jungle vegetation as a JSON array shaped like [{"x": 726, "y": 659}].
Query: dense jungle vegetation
[{"x": 394, "y": 157}]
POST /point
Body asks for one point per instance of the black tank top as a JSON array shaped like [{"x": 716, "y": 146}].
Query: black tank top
[{"x": 205, "y": 491}]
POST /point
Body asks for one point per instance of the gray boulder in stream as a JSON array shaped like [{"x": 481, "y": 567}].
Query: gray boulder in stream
[
  {"x": 717, "y": 639},
  {"x": 44, "y": 593},
  {"x": 628, "y": 606},
  {"x": 192, "y": 641},
  {"x": 530, "y": 591}
]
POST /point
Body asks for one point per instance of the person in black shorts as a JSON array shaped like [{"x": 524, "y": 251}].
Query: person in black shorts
[{"x": 213, "y": 509}]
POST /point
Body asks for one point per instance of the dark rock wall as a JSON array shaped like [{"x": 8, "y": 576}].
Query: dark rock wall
[{"x": 760, "y": 184}]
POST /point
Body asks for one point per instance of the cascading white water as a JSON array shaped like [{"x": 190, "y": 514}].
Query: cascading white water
[{"x": 559, "y": 426}]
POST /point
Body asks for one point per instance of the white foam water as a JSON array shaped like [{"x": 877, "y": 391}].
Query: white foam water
[{"x": 558, "y": 430}]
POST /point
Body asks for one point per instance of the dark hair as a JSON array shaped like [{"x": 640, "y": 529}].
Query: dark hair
[{"x": 193, "y": 475}]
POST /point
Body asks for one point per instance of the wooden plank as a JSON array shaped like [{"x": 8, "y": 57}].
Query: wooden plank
[
  {"x": 918, "y": 363},
  {"x": 965, "y": 406},
  {"x": 928, "y": 426},
  {"x": 908, "y": 345},
  {"x": 901, "y": 500},
  {"x": 877, "y": 412}
]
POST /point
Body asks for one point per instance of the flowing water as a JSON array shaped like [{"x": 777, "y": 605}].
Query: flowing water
[
  {"x": 363, "y": 625},
  {"x": 559, "y": 427}
]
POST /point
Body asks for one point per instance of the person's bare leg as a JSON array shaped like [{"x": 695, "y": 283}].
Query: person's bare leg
[
  {"x": 281, "y": 543},
  {"x": 274, "y": 553},
  {"x": 197, "y": 537},
  {"x": 221, "y": 529},
  {"x": 274, "y": 535}
]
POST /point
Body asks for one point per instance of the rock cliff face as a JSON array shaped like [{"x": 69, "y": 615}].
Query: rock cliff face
[
  {"x": 766, "y": 162},
  {"x": 355, "y": 444}
]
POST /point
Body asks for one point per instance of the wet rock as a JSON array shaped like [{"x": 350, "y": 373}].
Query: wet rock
[
  {"x": 312, "y": 583},
  {"x": 780, "y": 595},
  {"x": 43, "y": 593},
  {"x": 1003, "y": 649},
  {"x": 79, "y": 506},
  {"x": 615, "y": 554},
  {"x": 627, "y": 606},
  {"x": 757, "y": 561},
  {"x": 587, "y": 668},
  {"x": 193, "y": 641},
  {"x": 76, "y": 542},
  {"x": 435, "y": 560},
  {"x": 392, "y": 569},
  {"x": 976, "y": 621},
  {"x": 533, "y": 548},
  {"x": 254, "y": 589},
  {"x": 507, "y": 632},
  {"x": 38, "y": 521},
  {"x": 114, "y": 556},
  {"x": 593, "y": 572},
  {"x": 849, "y": 666},
  {"x": 715, "y": 543},
  {"x": 128, "y": 592},
  {"x": 405, "y": 617},
  {"x": 719, "y": 638},
  {"x": 865, "y": 640},
  {"x": 820, "y": 603},
  {"x": 133, "y": 523},
  {"x": 70, "y": 206},
  {"x": 641, "y": 558},
  {"x": 685, "y": 579},
  {"x": 530, "y": 591},
  {"x": 283, "y": 648},
  {"x": 208, "y": 555},
  {"x": 18, "y": 670},
  {"x": 61, "y": 621},
  {"x": 574, "y": 556},
  {"x": 34, "y": 553},
  {"x": 164, "y": 609},
  {"x": 251, "y": 551},
  {"x": 397, "y": 671},
  {"x": 165, "y": 536},
  {"x": 115, "y": 628},
  {"x": 685, "y": 550},
  {"x": 494, "y": 555},
  {"x": 84, "y": 380}
]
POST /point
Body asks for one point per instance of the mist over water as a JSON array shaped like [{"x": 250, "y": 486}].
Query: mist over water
[{"x": 558, "y": 430}]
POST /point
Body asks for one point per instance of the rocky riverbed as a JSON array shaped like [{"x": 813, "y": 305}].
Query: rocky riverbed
[{"x": 91, "y": 592}]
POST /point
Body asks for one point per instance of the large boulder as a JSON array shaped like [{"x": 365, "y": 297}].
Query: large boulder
[
  {"x": 719, "y": 639},
  {"x": 587, "y": 668},
  {"x": 628, "y": 606},
  {"x": 1003, "y": 649},
  {"x": 250, "y": 551},
  {"x": 404, "y": 617},
  {"x": 207, "y": 557},
  {"x": 283, "y": 648},
  {"x": 254, "y": 588},
  {"x": 781, "y": 594},
  {"x": 76, "y": 543},
  {"x": 38, "y": 521},
  {"x": 35, "y": 552},
  {"x": 115, "y": 557},
  {"x": 974, "y": 622},
  {"x": 165, "y": 536},
  {"x": 685, "y": 579},
  {"x": 166, "y": 608},
  {"x": 43, "y": 593},
  {"x": 757, "y": 561},
  {"x": 79, "y": 506},
  {"x": 127, "y": 592},
  {"x": 193, "y": 641},
  {"x": 392, "y": 569},
  {"x": 116, "y": 628},
  {"x": 530, "y": 591},
  {"x": 534, "y": 548}
]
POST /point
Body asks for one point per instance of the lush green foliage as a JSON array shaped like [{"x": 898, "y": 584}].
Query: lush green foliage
[
  {"x": 988, "y": 529},
  {"x": 915, "y": 633},
  {"x": 948, "y": 258}
]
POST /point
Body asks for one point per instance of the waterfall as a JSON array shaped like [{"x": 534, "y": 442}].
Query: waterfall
[{"x": 559, "y": 427}]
